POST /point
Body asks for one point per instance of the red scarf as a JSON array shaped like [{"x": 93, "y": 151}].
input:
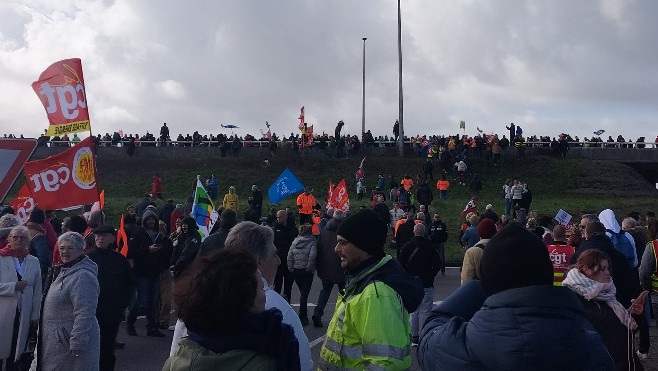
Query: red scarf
[{"x": 8, "y": 251}]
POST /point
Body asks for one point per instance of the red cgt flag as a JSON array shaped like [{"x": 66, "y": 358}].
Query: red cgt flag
[
  {"x": 61, "y": 89},
  {"x": 64, "y": 180},
  {"x": 23, "y": 204},
  {"x": 339, "y": 197}
]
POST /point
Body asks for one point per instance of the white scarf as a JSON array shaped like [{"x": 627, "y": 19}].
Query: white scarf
[{"x": 593, "y": 290}]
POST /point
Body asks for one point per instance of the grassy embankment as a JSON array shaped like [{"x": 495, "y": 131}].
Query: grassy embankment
[{"x": 574, "y": 185}]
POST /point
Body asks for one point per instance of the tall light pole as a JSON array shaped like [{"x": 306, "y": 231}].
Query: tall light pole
[
  {"x": 363, "y": 102},
  {"x": 400, "y": 110}
]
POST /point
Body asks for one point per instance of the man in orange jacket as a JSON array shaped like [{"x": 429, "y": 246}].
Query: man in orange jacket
[
  {"x": 305, "y": 203},
  {"x": 442, "y": 185}
]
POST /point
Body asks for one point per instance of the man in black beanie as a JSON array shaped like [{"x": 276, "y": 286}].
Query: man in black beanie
[
  {"x": 513, "y": 318},
  {"x": 370, "y": 326}
]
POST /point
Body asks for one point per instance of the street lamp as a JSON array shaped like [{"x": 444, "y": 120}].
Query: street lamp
[
  {"x": 400, "y": 111},
  {"x": 363, "y": 102}
]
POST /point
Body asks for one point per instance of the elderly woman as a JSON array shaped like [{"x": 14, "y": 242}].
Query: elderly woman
[
  {"x": 69, "y": 337},
  {"x": 20, "y": 296},
  {"x": 222, "y": 302}
]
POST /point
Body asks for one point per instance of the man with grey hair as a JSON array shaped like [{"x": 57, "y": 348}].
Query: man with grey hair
[
  {"x": 259, "y": 241},
  {"x": 328, "y": 265}
]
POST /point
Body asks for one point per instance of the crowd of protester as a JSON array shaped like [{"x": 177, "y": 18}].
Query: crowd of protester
[{"x": 531, "y": 286}]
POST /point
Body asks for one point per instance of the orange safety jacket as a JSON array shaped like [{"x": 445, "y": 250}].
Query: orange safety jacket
[
  {"x": 306, "y": 202},
  {"x": 407, "y": 183},
  {"x": 560, "y": 255},
  {"x": 315, "y": 229},
  {"x": 442, "y": 185}
]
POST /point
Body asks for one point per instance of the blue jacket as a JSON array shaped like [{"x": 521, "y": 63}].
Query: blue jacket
[
  {"x": 528, "y": 328},
  {"x": 470, "y": 236}
]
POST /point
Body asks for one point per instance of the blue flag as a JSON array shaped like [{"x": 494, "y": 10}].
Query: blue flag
[{"x": 284, "y": 186}]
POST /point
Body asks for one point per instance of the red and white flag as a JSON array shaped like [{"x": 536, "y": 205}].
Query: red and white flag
[
  {"x": 471, "y": 206},
  {"x": 23, "y": 204},
  {"x": 301, "y": 119},
  {"x": 64, "y": 180},
  {"x": 329, "y": 192},
  {"x": 61, "y": 89},
  {"x": 339, "y": 197}
]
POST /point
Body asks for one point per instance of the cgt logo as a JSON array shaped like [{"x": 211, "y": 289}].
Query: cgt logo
[
  {"x": 66, "y": 98},
  {"x": 25, "y": 209},
  {"x": 61, "y": 90},
  {"x": 82, "y": 173}
]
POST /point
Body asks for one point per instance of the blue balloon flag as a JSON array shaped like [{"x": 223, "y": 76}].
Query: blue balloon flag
[{"x": 284, "y": 186}]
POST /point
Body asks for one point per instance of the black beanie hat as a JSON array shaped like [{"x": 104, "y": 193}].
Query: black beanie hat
[
  {"x": 366, "y": 231},
  {"x": 514, "y": 258},
  {"x": 37, "y": 216}
]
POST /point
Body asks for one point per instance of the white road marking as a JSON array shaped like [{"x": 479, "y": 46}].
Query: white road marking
[{"x": 317, "y": 341}]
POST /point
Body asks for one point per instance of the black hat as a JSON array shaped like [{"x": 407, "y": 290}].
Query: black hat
[
  {"x": 366, "y": 231},
  {"x": 513, "y": 258},
  {"x": 105, "y": 229}
]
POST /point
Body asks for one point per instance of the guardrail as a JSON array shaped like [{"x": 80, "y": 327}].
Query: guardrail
[{"x": 408, "y": 143}]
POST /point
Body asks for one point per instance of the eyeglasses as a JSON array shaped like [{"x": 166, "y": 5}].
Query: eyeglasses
[{"x": 582, "y": 226}]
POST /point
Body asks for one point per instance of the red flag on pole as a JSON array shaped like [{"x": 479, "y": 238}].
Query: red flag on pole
[
  {"x": 23, "y": 204},
  {"x": 61, "y": 89},
  {"x": 301, "y": 119},
  {"x": 339, "y": 197},
  {"x": 471, "y": 206},
  {"x": 329, "y": 191},
  {"x": 64, "y": 180}
]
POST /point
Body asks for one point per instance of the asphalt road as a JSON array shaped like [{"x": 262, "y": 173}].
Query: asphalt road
[{"x": 144, "y": 353}]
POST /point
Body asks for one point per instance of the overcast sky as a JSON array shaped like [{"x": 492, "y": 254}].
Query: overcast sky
[{"x": 548, "y": 66}]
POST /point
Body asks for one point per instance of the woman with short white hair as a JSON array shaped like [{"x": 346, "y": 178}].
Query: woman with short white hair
[
  {"x": 20, "y": 296},
  {"x": 69, "y": 337}
]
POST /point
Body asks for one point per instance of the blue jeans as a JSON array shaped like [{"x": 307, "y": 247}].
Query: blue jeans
[
  {"x": 420, "y": 315},
  {"x": 323, "y": 297},
  {"x": 443, "y": 195},
  {"x": 148, "y": 290},
  {"x": 508, "y": 206}
]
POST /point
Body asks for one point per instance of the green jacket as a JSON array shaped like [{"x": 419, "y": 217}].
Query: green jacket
[
  {"x": 194, "y": 357},
  {"x": 370, "y": 327}
]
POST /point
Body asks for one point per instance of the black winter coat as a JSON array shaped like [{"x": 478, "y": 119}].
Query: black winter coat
[
  {"x": 419, "y": 258},
  {"x": 115, "y": 280}
]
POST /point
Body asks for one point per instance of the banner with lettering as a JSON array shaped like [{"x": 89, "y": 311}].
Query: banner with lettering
[
  {"x": 61, "y": 89},
  {"x": 64, "y": 180}
]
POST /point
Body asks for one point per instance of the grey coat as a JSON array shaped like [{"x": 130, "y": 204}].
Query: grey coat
[
  {"x": 302, "y": 253},
  {"x": 68, "y": 321}
]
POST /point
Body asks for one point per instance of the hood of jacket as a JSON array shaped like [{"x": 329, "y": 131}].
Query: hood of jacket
[
  {"x": 609, "y": 221},
  {"x": 84, "y": 264},
  {"x": 150, "y": 214},
  {"x": 333, "y": 225},
  {"x": 390, "y": 272},
  {"x": 302, "y": 242}
]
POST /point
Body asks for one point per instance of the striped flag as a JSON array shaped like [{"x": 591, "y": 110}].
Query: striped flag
[
  {"x": 203, "y": 210},
  {"x": 301, "y": 119}
]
